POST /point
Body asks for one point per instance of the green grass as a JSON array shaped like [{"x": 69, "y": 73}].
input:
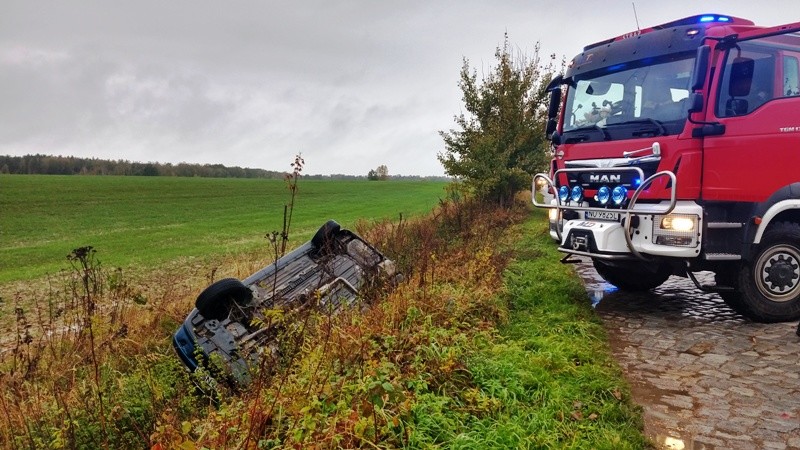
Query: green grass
[
  {"x": 546, "y": 378},
  {"x": 147, "y": 221},
  {"x": 461, "y": 361}
]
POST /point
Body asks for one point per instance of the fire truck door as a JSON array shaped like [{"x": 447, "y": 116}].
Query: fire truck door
[{"x": 756, "y": 97}]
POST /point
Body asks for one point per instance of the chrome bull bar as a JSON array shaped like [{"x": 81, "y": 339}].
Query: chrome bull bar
[{"x": 628, "y": 210}]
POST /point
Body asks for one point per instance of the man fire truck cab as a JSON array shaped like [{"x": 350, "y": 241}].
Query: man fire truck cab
[{"x": 677, "y": 150}]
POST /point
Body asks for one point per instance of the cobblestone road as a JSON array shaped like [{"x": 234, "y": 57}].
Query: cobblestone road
[{"x": 706, "y": 377}]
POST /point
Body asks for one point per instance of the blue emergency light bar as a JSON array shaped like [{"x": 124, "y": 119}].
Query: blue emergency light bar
[{"x": 706, "y": 19}]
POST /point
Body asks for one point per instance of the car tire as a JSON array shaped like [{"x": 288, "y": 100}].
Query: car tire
[
  {"x": 769, "y": 283},
  {"x": 323, "y": 236},
  {"x": 633, "y": 277},
  {"x": 215, "y": 301}
]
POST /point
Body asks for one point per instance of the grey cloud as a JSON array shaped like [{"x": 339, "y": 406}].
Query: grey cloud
[{"x": 351, "y": 84}]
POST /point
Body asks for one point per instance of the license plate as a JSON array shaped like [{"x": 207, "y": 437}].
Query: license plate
[{"x": 603, "y": 215}]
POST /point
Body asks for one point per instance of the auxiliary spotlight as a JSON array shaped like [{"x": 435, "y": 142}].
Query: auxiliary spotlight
[
  {"x": 563, "y": 194},
  {"x": 603, "y": 195},
  {"x": 576, "y": 195},
  {"x": 619, "y": 194}
]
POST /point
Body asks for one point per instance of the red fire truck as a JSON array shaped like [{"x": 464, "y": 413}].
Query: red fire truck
[{"x": 677, "y": 150}]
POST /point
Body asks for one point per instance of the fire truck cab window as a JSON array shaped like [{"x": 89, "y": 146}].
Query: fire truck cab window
[
  {"x": 624, "y": 98},
  {"x": 758, "y": 71}
]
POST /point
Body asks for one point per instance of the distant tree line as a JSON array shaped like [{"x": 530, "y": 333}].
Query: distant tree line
[
  {"x": 70, "y": 165},
  {"x": 341, "y": 176}
]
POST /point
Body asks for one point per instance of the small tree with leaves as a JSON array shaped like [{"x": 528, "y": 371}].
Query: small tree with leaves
[
  {"x": 499, "y": 141},
  {"x": 382, "y": 172},
  {"x": 379, "y": 174}
]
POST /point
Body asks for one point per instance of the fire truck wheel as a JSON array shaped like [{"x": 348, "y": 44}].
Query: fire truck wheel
[
  {"x": 215, "y": 301},
  {"x": 632, "y": 277},
  {"x": 769, "y": 285},
  {"x": 325, "y": 233}
]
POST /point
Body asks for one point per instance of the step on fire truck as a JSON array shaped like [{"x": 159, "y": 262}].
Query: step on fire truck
[{"x": 677, "y": 150}]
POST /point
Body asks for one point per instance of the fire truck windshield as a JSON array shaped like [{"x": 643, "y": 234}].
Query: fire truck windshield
[{"x": 626, "y": 101}]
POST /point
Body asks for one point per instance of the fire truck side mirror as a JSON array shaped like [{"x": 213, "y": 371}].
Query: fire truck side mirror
[
  {"x": 555, "y": 139},
  {"x": 554, "y": 88},
  {"x": 700, "y": 67},
  {"x": 695, "y": 102},
  {"x": 552, "y": 124},
  {"x": 552, "y": 111}
]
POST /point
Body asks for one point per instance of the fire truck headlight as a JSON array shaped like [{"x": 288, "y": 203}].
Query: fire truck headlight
[
  {"x": 603, "y": 195},
  {"x": 576, "y": 195},
  {"x": 681, "y": 224},
  {"x": 552, "y": 214},
  {"x": 677, "y": 230},
  {"x": 563, "y": 193},
  {"x": 619, "y": 194}
]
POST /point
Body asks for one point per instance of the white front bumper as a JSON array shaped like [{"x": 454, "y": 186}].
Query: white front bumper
[{"x": 607, "y": 238}]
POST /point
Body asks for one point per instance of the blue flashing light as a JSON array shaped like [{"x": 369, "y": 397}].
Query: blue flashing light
[
  {"x": 617, "y": 67},
  {"x": 637, "y": 182},
  {"x": 619, "y": 194},
  {"x": 603, "y": 195},
  {"x": 577, "y": 194},
  {"x": 707, "y": 19},
  {"x": 563, "y": 193}
]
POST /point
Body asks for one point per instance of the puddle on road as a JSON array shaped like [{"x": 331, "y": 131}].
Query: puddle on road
[
  {"x": 670, "y": 442},
  {"x": 596, "y": 287},
  {"x": 676, "y": 299},
  {"x": 667, "y": 442}
]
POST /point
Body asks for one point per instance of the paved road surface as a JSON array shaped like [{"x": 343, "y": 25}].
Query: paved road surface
[{"x": 706, "y": 377}]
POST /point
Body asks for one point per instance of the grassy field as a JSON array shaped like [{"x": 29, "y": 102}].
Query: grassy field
[
  {"x": 146, "y": 221},
  {"x": 488, "y": 343}
]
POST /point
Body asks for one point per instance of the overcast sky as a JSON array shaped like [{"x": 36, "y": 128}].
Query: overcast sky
[{"x": 349, "y": 84}]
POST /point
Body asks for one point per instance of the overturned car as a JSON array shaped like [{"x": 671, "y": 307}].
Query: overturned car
[{"x": 229, "y": 325}]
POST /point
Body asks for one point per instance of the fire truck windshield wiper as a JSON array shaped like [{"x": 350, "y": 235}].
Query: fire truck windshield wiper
[
  {"x": 662, "y": 131},
  {"x": 593, "y": 127}
]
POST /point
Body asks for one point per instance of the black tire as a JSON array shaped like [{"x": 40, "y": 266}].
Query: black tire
[
  {"x": 325, "y": 233},
  {"x": 769, "y": 284},
  {"x": 633, "y": 276},
  {"x": 215, "y": 301}
]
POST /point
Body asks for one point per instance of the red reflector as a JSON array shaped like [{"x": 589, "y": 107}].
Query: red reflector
[{"x": 757, "y": 220}]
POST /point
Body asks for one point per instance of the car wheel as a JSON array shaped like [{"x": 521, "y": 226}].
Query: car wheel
[
  {"x": 634, "y": 277},
  {"x": 769, "y": 284},
  {"x": 325, "y": 233},
  {"x": 215, "y": 301}
]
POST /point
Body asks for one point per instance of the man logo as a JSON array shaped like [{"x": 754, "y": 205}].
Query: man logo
[{"x": 605, "y": 178}]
